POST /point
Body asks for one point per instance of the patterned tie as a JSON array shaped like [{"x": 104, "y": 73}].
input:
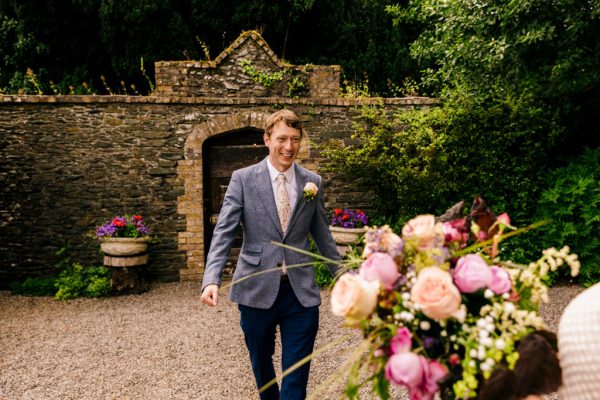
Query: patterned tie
[{"x": 283, "y": 203}]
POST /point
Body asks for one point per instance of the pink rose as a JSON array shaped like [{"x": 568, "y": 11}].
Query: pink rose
[
  {"x": 471, "y": 273},
  {"x": 424, "y": 228},
  {"x": 402, "y": 341},
  {"x": 435, "y": 293},
  {"x": 500, "y": 282},
  {"x": 456, "y": 231},
  {"x": 380, "y": 267},
  {"x": 353, "y": 297},
  {"x": 433, "y": 373},
  {"x": 404, "y": 369}
]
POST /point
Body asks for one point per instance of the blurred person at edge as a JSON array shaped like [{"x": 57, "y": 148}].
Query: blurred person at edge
[{"x": 579, "y": 346}]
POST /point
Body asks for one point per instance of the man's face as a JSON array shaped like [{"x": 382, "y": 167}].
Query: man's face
[{"x": 283, "y": 144}]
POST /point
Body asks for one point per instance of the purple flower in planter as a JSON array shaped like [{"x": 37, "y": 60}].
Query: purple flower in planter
[
  {"x": 123, "y": 226},
  {"x": 349, "y": 218},
  {"x": 106, "y": 230}
]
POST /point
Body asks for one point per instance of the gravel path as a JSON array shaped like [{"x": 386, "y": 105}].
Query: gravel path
[{"x": 159, "y": 345}]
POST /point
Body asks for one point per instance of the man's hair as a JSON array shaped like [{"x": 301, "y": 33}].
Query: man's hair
[{"x": 288, "y": 117}]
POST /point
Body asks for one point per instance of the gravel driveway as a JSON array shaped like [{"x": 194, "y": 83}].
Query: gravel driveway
[{"x": 159, "y": 345}]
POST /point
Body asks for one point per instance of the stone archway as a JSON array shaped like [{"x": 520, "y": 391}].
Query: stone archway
[{"x": 190, "y": 170}]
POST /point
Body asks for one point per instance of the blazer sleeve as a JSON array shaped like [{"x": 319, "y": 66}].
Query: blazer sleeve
[
  {"x": 224, "y": 233},
  {"x": 319, "y": 230}
]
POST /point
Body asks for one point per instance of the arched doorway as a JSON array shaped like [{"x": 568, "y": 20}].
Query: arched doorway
[
  {"x": 213, "y": 150},
  {"x": 221, "y": 155}
]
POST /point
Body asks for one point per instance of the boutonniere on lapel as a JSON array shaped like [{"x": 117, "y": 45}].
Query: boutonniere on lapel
[{"x": 310, "y": 191}]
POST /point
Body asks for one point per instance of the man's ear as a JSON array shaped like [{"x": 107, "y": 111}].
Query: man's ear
[{"x": 266, "y": 139}]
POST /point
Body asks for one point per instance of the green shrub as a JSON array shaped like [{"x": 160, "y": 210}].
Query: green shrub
[
  {"x": 424, "y": 160},
  {"x": 35, "y": 287},
  {"x": 79, "y": 281},
  {"x": 572, "y": 202},
  {"x": 322, "y": 274},
  {"x": 400, "y": 156}
]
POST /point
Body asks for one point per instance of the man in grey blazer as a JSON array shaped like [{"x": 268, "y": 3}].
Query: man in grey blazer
[{"x": 267, "y": 199}]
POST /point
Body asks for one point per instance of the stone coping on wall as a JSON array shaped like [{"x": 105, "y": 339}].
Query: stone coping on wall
[{"x": 344, "y": 102}]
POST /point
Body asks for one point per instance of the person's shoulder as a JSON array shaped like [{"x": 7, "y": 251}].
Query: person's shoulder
[
  {"x": 250, "y": 169},
  {"x": 312, "y": 176}
]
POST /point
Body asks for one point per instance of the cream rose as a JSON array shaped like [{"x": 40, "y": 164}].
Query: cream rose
[
  {"x": 425, "y": 229},
  {"x": 435, "y": 293},
  {"x": 354, "y": 297}
]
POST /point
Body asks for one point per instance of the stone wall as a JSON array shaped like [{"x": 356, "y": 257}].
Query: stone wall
[
  {"x": 225, "y": 75},
  {"x": 69, "y": 163}
]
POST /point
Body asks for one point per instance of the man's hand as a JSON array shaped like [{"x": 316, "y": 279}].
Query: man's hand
[{"x": 210, "y": 295}]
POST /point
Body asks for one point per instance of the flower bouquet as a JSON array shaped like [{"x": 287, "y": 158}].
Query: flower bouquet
[
  {"x": 348, "y": 218},
  {"x": 438, "y": 309}
]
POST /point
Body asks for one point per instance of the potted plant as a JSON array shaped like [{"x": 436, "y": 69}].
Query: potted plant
[
  {"x": 123, "y": 236},
  {"x": 347, "y": 225},
  {"x": 124, "y": 242}
]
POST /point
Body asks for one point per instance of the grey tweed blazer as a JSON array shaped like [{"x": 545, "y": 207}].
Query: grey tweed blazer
[{"x": 249, "y": 200}]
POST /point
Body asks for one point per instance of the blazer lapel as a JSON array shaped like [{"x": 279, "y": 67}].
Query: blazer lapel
[{"x": 262, "y": 179}]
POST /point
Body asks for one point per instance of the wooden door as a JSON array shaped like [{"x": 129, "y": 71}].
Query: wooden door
[{"x": 222, "y": 155}]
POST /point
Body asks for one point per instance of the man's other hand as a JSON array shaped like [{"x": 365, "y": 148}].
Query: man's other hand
[{"x": 210, "y": 295}]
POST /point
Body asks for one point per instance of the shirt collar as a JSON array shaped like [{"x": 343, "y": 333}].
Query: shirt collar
[{"x": 290, "y": 173}]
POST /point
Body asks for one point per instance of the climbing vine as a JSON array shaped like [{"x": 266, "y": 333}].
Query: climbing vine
[
  {"x": 264, "y": 78},
  {"x": 295, "y": 84}
]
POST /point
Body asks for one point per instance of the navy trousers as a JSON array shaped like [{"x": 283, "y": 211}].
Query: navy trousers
[{"x": 298, "y": 326}]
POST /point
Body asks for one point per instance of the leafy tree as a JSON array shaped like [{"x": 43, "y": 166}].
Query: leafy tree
[
  {"x": 519, "y": 82},
  {"x": 359, "y": 35},
  {"x": 546, "y": 47},
  {"x": 544, "y": 50},
  {"x": 57, "y": 40},
  {"x": 76, "y": 41},
  {"x": 152, "y": 30}
]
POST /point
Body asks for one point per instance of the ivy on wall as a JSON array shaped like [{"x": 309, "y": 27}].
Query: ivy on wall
[{"x": 269, "y": 79}]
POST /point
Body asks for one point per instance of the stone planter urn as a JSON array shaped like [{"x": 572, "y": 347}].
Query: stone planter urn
[
  {"x": 125, "y": 257},
  {"x": 123, "y": 246},
  {"x": 345, "y": 237}
]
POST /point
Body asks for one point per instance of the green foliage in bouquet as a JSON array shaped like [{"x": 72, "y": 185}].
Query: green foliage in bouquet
[
  {"x": 572, "y": 202},
  {"x": 81, "y": 281}
]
